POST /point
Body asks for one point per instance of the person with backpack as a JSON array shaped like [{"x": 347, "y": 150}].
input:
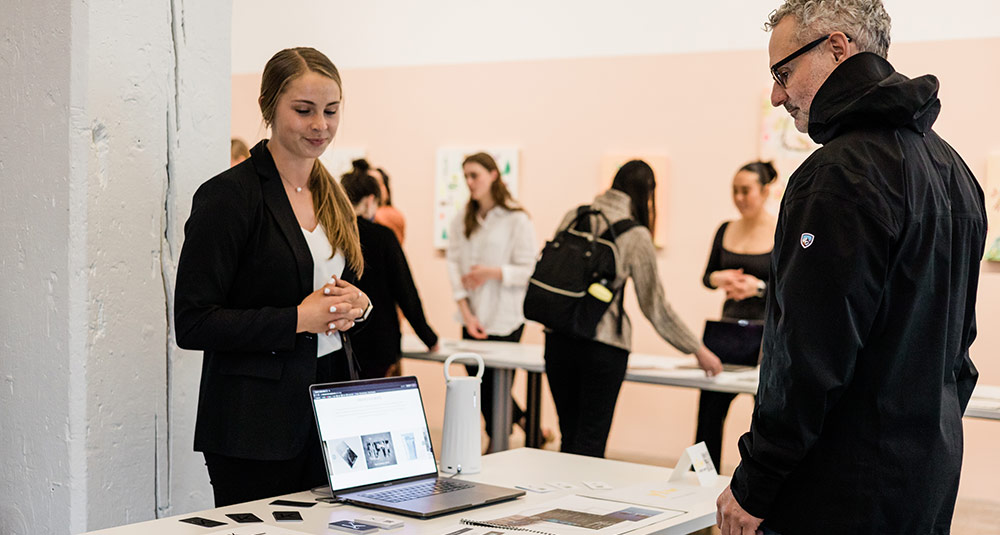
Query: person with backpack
[{"x": 586, "y": 365}]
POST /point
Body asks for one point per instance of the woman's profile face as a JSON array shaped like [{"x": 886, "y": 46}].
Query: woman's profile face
[
  {"x": 748, "y": 194},
  {"x": 479, "y": 179},
  {"x": 307, "y": 115}
]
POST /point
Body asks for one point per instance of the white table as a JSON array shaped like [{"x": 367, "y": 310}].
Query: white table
[
  {"x": 506, "y": 357},
  {"x": 985, "y": 403},
  {"x": 513, "y": 467}
]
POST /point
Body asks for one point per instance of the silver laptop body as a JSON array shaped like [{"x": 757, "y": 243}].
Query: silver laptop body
[{"x": 378, "y": 451}]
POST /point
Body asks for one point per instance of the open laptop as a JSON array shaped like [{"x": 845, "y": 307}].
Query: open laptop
[{"x": 378, "y": 450}]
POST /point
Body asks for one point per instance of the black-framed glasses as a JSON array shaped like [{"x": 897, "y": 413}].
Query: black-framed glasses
[{"x": 782, "y": 78}]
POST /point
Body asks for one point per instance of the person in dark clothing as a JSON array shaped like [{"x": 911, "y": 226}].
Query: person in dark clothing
[
  {"x": 865, "y": 371},
  {"x": 586, "y": 374},
  {"x": 387, "y": 281},
  {"x": 737, "y": 265},
  {"x": 265, "y": 289}
]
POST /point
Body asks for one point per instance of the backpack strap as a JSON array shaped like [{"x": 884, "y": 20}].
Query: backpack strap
[
  {"x": 582, "y": 223},
  {"x": 583, "y": 215},
  {"x": 611, "y": 234},
  {"x": 619, "y": 228}
]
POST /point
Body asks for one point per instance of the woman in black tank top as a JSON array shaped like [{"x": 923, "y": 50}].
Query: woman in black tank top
[{"x": 739, "y": 265}]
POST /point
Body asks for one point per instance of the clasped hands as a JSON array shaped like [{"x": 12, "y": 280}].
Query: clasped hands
[
  {"x": 477, "y": 275},
  {"x": 737, "y": 285},
  {"x": 334, "y": 307}
]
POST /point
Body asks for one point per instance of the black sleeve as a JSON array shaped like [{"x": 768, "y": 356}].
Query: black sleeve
[
  {"x": 215, "y": 239},
  {"x": 402, "y": 286},
  {"x": 715, "y": 257},
  {"x": 350, "y": 276},
  {"x": 967, "y": 374},
  {"x": 829, "y": 278}
]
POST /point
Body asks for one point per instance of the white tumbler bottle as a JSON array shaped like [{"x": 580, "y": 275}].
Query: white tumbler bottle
[{"x": 461, "y": 442}]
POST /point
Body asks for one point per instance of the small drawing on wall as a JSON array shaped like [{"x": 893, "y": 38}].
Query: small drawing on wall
[
  {"x": 783, "y": 145},
  {"x": 450, "y": 192},
  {"x": 993, "y": 207}
]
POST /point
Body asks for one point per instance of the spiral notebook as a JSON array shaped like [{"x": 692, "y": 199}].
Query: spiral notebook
[{"x": 574, "y": 515}]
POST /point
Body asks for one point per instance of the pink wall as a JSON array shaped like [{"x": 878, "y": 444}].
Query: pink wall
[{"x": 702, "y": 112}]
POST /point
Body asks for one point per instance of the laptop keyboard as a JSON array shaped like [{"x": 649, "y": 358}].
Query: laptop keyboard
[{"x": 420, "y": 490}]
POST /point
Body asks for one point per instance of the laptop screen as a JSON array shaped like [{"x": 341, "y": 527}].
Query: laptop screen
[{"x": 373, "y": 431}]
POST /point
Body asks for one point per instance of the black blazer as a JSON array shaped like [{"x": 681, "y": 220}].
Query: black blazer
[
  {"x": 244, "y": 268},
  {"x": 388, "y": 282}
]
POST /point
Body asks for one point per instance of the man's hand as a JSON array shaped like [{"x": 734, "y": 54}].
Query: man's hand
[{"x": 732, "y": 519}]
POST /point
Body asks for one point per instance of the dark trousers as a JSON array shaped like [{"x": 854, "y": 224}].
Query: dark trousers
[
  {"x": 486, "y": 390},
  {"x": 585, "y": 377},
  {"x": 712, "y": 410},
  {"x": 236, "y": 480}
]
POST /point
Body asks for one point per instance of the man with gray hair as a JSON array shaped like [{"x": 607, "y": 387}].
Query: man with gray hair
[{"x": 865, "y": 371}]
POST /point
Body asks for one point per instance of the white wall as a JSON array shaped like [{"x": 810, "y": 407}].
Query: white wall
[
  {"x": 382, "y": 33},
  {"x": 39, "y": 444},
  {"x": 198, "y": 149},
  {"x": 111, "y": 110}
]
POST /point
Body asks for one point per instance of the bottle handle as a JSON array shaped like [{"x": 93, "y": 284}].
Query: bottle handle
[{"x": 456, "y": 356}]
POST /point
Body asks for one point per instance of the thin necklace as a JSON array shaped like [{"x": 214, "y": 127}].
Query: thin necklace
[{"x": 298, "y": 189}]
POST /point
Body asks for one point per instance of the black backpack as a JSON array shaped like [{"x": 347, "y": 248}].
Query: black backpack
[{"x": 574, "y": 279}]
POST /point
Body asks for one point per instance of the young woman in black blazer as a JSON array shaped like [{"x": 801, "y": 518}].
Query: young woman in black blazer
[{"x": 265, "y": 288}]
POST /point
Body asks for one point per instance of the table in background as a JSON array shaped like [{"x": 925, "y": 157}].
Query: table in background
[
  {"x": 682, "y": 371},
  {"x": 985, "y": 403},
  {"x": 524, "y": 466}
]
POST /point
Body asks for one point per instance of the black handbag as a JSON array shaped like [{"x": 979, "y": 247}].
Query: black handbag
[{"x": 734, "y": 342}]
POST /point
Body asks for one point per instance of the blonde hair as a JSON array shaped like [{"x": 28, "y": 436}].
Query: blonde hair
[
  {"x": 333, "y": 209},
  {"x": 238, "y": 149}
]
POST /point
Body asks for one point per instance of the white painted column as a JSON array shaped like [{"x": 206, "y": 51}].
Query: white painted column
[
  {"x": 37, "y": 168},
  {"x": 113, "y": 114},
  {"x": 199, "y": 149}
]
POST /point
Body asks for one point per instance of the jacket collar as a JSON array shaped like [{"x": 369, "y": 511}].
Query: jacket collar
[
  {"x": 865, "y": 90},
  {"x": 277, "y": 203}
]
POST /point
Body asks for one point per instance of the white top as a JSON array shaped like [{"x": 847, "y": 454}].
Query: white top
[
  {"x": 324, "y": 267},
  {"x": 506, "y": 239}
]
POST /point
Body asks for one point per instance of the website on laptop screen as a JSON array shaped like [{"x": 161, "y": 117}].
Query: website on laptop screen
[{"x": 373, "y": 432}]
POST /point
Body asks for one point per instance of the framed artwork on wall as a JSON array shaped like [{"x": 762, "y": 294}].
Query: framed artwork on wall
[
  {"x": 782, "y": 145},
  {"x": 992, "y": 187},
  {"x": 450, "y": 192}
]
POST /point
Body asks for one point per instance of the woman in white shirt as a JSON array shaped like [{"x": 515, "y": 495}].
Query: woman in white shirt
[{"x": 491, "y": 254}]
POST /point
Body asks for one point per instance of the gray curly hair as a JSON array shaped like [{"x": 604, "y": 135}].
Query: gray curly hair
[{"x": 865, "y": 21}]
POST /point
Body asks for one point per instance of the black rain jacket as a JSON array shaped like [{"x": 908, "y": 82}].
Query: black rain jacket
[{"x": 866, "y": 372}]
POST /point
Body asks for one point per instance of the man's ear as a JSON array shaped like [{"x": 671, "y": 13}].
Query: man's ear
[{"x": 841, "y": 46}]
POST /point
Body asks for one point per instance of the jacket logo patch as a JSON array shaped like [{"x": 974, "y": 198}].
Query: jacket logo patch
[{"x": 806, "y": 240}]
